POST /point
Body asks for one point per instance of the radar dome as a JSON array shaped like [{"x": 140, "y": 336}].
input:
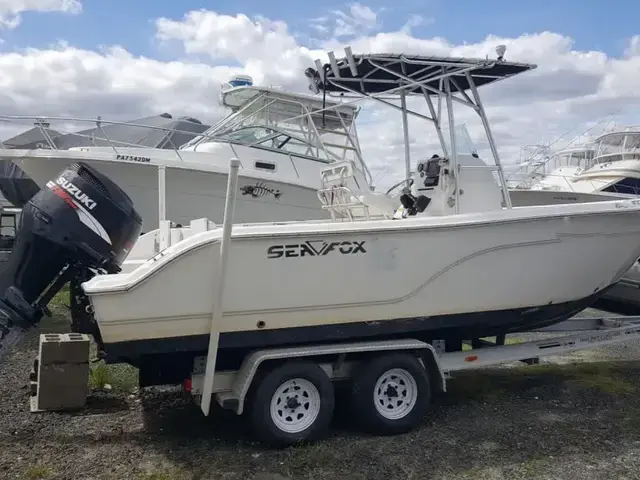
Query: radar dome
[{"x": 238, "y": 81}]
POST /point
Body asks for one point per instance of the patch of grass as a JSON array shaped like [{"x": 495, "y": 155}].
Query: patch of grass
[
  {"x": 164, "y": 472},
  {"x": 476, "y": 385},
  {"x": 122, "y": 378},
  {"x": 37, "y": 472},
  {"x": 513, "y": 340},
  {"x": 507, "y": 341},
  {"x": 307, "y": 459},
  {"x": 611, "y": 384},
  {"x": 530, "y": 468},
  {"x": 475, "y": 473},
  {"x": 100, "y": 376},
  {"x": 61, "y": 299},
  {"x": 59, "y": 320},
  {"x": 602, "y": 376}
]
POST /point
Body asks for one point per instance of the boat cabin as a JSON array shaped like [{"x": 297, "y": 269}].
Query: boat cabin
[
  {"x": 616, "y": 162},
  {"x": 286, "y": 122}
]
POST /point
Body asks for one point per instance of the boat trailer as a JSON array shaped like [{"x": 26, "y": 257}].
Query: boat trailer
[{"x": 59, "y": 378}]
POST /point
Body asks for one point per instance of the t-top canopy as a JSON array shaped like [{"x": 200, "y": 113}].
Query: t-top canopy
[{"x": 370, "y": 74}]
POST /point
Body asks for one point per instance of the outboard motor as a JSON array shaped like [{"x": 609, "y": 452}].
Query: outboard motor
[{"x": 81, "y": 224}]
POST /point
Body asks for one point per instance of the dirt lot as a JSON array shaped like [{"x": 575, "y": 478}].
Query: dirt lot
[{"x": 549, "y": 421}]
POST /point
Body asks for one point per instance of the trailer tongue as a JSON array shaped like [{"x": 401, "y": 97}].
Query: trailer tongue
[{"x": 81, "y": 224}]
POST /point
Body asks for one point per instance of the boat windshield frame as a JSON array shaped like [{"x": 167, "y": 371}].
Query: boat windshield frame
[
  {"x": 534, "y": 169},
  {"x": 324, "y": 137},
  {"x": 618, "y": 151}
]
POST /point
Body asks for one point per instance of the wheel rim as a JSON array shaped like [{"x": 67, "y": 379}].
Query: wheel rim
[
  {"x": 295, "y": 405},
  {"x": 395, "y": 394}
]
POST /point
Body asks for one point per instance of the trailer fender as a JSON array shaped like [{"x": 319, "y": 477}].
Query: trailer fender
[{"x": 252, "y": 363}]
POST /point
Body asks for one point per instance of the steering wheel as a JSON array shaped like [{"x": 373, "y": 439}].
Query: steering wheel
[{"x": 408, "y": 181}]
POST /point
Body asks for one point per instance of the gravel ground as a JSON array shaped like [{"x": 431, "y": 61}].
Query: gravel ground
[{"x": 548, "y": 422}]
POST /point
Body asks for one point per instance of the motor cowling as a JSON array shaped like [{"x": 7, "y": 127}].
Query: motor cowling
[{"x": 82, "y": 221}]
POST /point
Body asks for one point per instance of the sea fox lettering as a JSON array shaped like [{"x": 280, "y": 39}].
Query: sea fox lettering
[
  {"x": 76, "y": 193},
  {"x": 315, "y": 248}
]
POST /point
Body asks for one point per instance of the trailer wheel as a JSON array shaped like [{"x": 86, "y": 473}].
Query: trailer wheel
[
  {"x": 390, "y": 394},
  {"x": 291, "y": 403}
]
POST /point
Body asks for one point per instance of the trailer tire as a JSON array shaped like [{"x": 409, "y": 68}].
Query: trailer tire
[
  {"x": 303, "y": 420},
  {"x": 378, "y": 382}
]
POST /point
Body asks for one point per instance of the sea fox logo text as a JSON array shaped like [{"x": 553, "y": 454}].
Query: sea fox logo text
[
  {"x": 316, "y": 248},
  {"x": 73, "y": 191}
]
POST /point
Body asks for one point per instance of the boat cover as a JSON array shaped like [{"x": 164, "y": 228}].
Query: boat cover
[{"x": 17, "y": 188}]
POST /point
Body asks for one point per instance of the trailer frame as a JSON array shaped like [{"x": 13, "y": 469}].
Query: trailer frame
[{"x": 342, "y": 361}]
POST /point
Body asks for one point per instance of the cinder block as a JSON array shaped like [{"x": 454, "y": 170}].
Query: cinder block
[
  {"x": 63, "y": 398},
  {"x": 62, "y": 375},
  {"x": 62, "y": 386},
  {"x": 63, "y": 348},
  {"x": 62, "y": 372}
]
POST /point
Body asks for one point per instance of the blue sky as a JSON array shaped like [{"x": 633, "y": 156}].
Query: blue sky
[{"x": 593, "y": 24}]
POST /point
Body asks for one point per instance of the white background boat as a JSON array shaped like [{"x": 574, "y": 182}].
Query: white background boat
[
  {"x": 606, "y": 169},
  {"x": 280, "y": 161},
  {"x": 166, "y": 130}
]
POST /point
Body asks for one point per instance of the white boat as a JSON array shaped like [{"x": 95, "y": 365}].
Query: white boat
[
  {"x": 606, "y": 169},
  {"x": 458, "y": 261},
  {"x": 282, "y": 143},
  {"x": 156, "y": 131}
]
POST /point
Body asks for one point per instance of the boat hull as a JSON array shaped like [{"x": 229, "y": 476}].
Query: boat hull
[
  {"x": 193, "y": 192},
  {"x": 622, "y": 298},
  {"x": 450, "y": 328},
  {"x": 542, "y": 265}
]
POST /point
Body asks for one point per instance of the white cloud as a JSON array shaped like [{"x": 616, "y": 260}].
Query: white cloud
[
  {"x": 357, "y": 20},
  {"x": 10, "y": 10},
  {"x": 254, "y": 43},
  {"x": 633, "y": 50},
  {"x": 71, "y": 82},
  {"x": 570, "y": 87},
  {"x": 415, "y": 20}
]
